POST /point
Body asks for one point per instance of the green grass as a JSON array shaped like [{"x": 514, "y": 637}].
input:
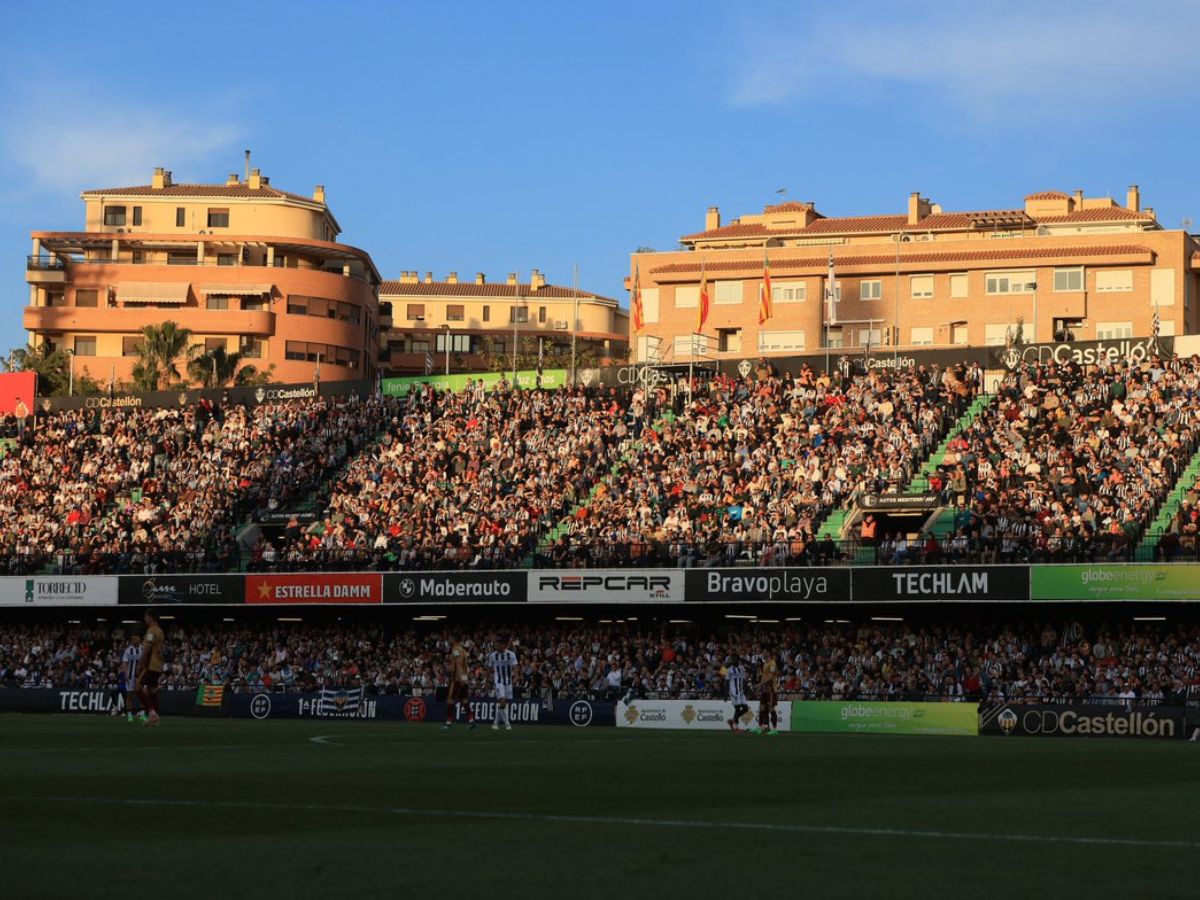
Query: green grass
[{"x": 94, "y": 807}]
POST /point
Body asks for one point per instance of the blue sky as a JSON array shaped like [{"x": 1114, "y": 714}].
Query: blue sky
[{"x": 501, "y": 137}]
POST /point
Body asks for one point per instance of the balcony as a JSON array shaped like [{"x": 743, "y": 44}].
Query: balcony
[
  {"x": 45, "y": 270},
  {"x": 252, "y": 323}
]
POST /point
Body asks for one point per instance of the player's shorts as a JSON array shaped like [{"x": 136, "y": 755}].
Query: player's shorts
[
  {"x": 457, "y": 692},
  {"x": 769, "y": 698},
  {"x": 150, "y": 679},
  {"x": 503, "y": 691},
  {"x": 738, "y": 700}
]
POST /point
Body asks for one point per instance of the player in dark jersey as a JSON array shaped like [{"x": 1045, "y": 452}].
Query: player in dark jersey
[
  {"x": 150, "y": 667},
  {"x": 768, "y": 696},
  {"x": 459, "y": 693}
]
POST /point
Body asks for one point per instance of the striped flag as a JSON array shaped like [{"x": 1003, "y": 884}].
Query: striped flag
[
  {"x": 339, "y": 702},
  {"x": 639, "y": 318},
  {"x": 702, "y": 303},
  {"x": 210, "y": 695},
  {"x": 428, "y": 363},
  {"x": 764, "y": 292}
]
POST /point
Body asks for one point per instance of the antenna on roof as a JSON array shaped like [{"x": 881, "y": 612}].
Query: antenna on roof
[
  {"x": 782, "y": 192},
  {"x": 247, "y": 166}
]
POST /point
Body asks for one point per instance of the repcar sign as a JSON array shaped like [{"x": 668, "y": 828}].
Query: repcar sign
[
  {"x": 940, "y": 583},
  {"x": 606, "y": 586},
  {"x": 455, "y": 587},
  {"x": 1078, "y": 720},
  {"x": 772, "y": 585},
  {"x": 58, "y": 590}
]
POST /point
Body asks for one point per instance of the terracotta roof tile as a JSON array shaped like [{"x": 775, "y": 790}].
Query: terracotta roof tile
[
  {"x": 820, "y": 263},
  {"x": 1048, "y": 195},
  {"x": 200, "y": 190},
  {"x": 737, "y": 230},
  {"x": 471, "y": 289},
  {"x": 790, "y": 206},
  {"x": 1103, "y": 214}
]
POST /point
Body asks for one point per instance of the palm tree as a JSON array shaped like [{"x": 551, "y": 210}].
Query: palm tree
[
  {"x": 216, "y": 368},
  {"x": 50, "y": 366},
  {"x": 162, "y": 348}
]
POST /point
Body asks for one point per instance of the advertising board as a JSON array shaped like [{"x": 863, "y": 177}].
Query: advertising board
[
  {"x": 315, "y": 588},
  {"x": 872, "y": 717},
  {"x": 606, "y": 586},
  {"x": 939, "y": 583},
  {"x": 455, "y": 587},
  {"x": 690, "y": 715},
  {"x": 1114, "y": 581},
  {"x": 145, "y": 590},
  {"x": 58, "y": 590},
  {"x": 1084, "y": 720},
  {"x": 773, "y": 585}
]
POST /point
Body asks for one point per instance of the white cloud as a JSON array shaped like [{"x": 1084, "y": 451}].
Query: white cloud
[{"x": 984, "y": 62}]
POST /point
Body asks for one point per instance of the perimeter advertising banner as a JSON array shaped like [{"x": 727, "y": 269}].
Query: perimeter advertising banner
[
  {"x": 552, "y": 379},
  {"x": 144, "y": 590},
  {"x": 939, "y": 583},
  {"x": 89, "y": 701},
  {"x": 871, "y": 717},
  {"x": 1107, "y": 581},
  {"x": 455, "y": 587},
  {"x": 1084, "y": 720},
  {"x": 315, "y": 588},
  {"x": 800, "y": 585},
  {"x": 58, "y": 590},
  {"x": 397, "y": 708},
  {"x": 606, "y": 586},
  {"x": 691, "y": 715}
]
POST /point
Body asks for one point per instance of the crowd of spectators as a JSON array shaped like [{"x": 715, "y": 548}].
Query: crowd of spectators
[{"x": 981, "y": 661}]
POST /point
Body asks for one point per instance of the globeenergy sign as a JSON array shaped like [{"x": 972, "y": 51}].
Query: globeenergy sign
[
  {"x": 863, "y": 717},
  {"x": 1116, "y": 582}
]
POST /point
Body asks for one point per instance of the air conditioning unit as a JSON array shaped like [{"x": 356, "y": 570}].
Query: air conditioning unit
[{"x": 560, "y": 324}]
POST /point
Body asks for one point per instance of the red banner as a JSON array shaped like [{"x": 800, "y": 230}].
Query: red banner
[
  {"x": 347, "y": 587},
  {"x": 16, "y": 386}
]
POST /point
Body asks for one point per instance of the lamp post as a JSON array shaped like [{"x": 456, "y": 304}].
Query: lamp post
[
  {"x": 446, "y": 340},
  {"x": 70, "y": 372},
  {"x": 900, "y": 238}
]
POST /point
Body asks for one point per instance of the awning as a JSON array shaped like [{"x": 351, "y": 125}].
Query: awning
[
  {"x": 236, "y": 290},
  {"x": 153, "y": 292}
]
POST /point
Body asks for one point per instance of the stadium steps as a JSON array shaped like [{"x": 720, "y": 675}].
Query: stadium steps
[
  {"x": 1186, "y": 481},
  {"x": 833, "y": 524},
  {"x": 920, "y": 481}
]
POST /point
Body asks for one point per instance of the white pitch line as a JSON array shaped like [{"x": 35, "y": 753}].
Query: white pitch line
[
  {"x": 849, "y": 831},
  {"x": 324, "y": 739}
]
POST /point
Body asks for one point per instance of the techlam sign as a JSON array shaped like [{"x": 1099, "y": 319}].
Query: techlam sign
[
  {"x": 692, "y": 715},
  {"x": 58, "y": 590},
  {"x": 606, "y": 586},
  {"x": 299, "y": 589},
  {"x": 940, "y": 583},
  {"x": 1077, "y": 720}
]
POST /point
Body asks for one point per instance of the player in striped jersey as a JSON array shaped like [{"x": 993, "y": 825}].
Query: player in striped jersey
[
  {"x": 735, "y": 677},
  {"x": 503, "y": 663},
  {"x": 129, "y": 672}
]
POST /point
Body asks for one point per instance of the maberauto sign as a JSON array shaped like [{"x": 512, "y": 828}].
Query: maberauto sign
[
  {"x": 606, "y": 586},
  {"x": 455, "y": 587},
  {"x": 803, "y": 585},
  {"x": 58, "y": 590},
  {"x": 939, "y": 583}
]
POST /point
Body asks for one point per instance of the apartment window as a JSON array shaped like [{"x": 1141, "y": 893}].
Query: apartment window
[
  {"x": 686, "y": 296},
  {"x": 1068, "y": 279},
  {"x": 958, "y": 333},
  {"x": 729, "y": 293},
  {"x": 87, "y": 298},
  {"x": 302, "y": 351},
  {"x": 1111, "y": 330},
  {"x": 85, "y": 345},
  {"x": 455, "y": 312},
  {"x": 921, "y": 337},
  {"x": 218, "y": 218},
  {"x": 775, "y": 341},
  {"x": 137, "y": 215},
  {"x": 497, "y": 346},
  {"x": 833, "y": 338},
  {"x": 789, "y": 292},
  {"x": 298, "y": 306},
  {"x": 487, "y": 314},
  {"x": 419, "y": 346},
  {"x": 870, "y": 337},
  {"x": 1010, "y": 282},
  {"x": 214, "y": 343},
  {"x": 138, "y": 257},
  {"x": 181, "y": 259},
  {"x": 180, "y": 217},
  {"x": 348, "y": 312},
  {"x": 114, "y": 215},
  {"x": 837, "y": 291},
  {"x": 459, "y": 343},
  {"x": 518, "y": 314},
  {"x": 996, "y": 334},
  {"x": 1114, "y": 280},
  {"x": 415, "y": 311},
  {"x": 541, "y": 315},
  {"x": 870, "y": 290},
  {"x": 689, "y": 345},
  {"x": 921, "y": 286},
  {"x": 255, "y": 303},
  {"x": 958, "y": 285},
  {"x": 729, "y": 340},
  {"x": 56, "y": 299},
  {"x": 129, "y": 345},
  {"x": 251, "y": 348},
  {"x": 226, "y": 259},
  {"x": 219, "y": 303}
]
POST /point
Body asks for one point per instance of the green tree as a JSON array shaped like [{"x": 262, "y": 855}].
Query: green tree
[
  {"x": 217, "y": 368},
  {"x": 49, "y": 365},
  {"x": 162, "y": 349}
]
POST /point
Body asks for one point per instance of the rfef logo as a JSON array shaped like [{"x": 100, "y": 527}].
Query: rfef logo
[{"x": 414, "y": 709}]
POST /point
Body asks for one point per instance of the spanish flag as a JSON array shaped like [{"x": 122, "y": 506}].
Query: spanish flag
[
  {"x": 764, "y": 292},
  {"x": 702, "y": 305},
  {"x": 639, "y": 320}
]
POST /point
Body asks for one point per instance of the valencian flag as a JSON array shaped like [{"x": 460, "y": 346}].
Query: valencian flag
[
  {"x": 639, "y": 320},
  {"x": 764, "y": 292},
  {"x": 702, "y": 304},
  {"x": 210, "y": 695}
]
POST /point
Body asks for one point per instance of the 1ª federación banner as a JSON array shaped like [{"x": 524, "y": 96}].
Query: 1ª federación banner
[
  {"x": 874, "y": 717},
  {"x": 1116, "y": 581}
]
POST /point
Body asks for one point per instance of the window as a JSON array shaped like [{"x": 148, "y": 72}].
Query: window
[
  {"x": 996, "y": 334},
  {"x": 729, "y": 293},
  {"x": 518, "y": 314},
  {"x": 251, "y": 347},
  {"x": 56, "y": 299},
  {"x": 138, "y": 257},
  {"x": 833, "y": 337},
  {"x": 114, "y": 215},
  {"x": 1113, "y": 280},
  {"x": 487, "y": 314},
  {"x": 689, "y": 345},
  {"x": 220, "y": 303},
  {"x": 214, "y": 343},
  {"x": 729, "y": 340},
  {"x": 1010, "y": 282},
  {"x": 255, "y": 303},
  {"x": 541, "y": 315},
  {"x": 1111, "y": 330},
  {"x": 87, "y": 298},
  {"x": 772, "y": 341},
  {"x": 1068, "y": 279},
  {"x": 415, "y": 311},
  {"x": 921, "y": 337},
  {"x": 218, "y": 218},
  {"x": 302, "y": 351},
  {"x": 686, "y": 296},
  {"x": 958, "y": 333},
  {"x": 129, "y": 345},
  {"x": 459, "y": 343},
  {"x": 348, "y": 312},
  {"x": 958, "y": 285},
  {"x": 870, "y": 337},
  {"x": 226, "y": 259},
  {"x": 1162, "y": 287},
  {"x": 650, "y": 304},
  {"x": 85, "y": 346},
  {"x": 455, "y": 312},
  {"x": 870, "y": 290},
  {"x": 789, "y": 292},
  {"x": 419, "y": 346},
  {"x": 181, "y": 259},
  {"x": 298, "y": 306},
  {"x": 180, "y": 217},
  {"x": 137, "y": 215},
  {"x": 837, "y": 292},
  {"x": 921, "y": 286}
]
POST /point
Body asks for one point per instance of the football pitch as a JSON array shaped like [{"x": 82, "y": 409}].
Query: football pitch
[{"x": 96, "y": 807}]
